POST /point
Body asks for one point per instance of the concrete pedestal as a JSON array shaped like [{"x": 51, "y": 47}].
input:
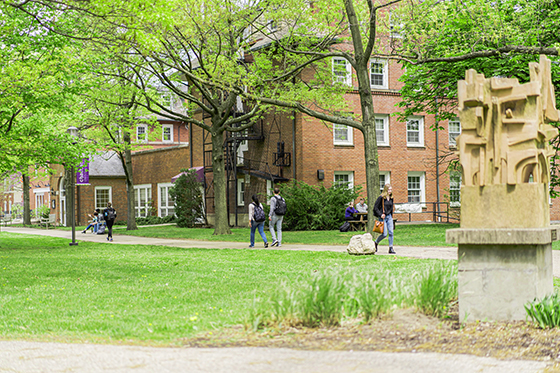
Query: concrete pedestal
[{"x": 500, "y": 270}]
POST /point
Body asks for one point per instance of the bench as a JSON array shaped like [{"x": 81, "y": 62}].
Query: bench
[
  {"x": 50, "y": 220},
  {"x": 360, "y": 223},
  {"x": 6, "y": 218}
]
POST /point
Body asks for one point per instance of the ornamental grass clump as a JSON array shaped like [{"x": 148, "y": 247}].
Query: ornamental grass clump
[
  {"x": 436, "y": 289},
  {"x": 545, "y": 312},
  {"x": 322, "y": 300},
  {"x": 374, "y": 296}
]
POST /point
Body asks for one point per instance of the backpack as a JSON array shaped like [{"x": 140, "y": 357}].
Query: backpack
[
  {"x": 345, "y": 227},
  {"x": 111, "y": 214},
  {"x": 280, "y": 208},
  {"x": 101, "y": 229},
  {"x": 258, "y": 214}
]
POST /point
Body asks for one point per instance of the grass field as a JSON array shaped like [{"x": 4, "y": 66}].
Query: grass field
[{"x": 149, "y": 294}]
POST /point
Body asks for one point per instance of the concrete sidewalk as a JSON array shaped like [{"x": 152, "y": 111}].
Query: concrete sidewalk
[{"x": 21, "y": 356}]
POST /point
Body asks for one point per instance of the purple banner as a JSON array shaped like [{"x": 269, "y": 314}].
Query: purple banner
[{"x": 82, "y": 176}]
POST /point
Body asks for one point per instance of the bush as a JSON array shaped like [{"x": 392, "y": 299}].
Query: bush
[
  {"x": 545, "y": 312},
  {"x": 155, "y": 220},
  {"x": 315, "y": 208},
  {"x": 43, "y": 211},
  {"x": 187, "y": 194}
]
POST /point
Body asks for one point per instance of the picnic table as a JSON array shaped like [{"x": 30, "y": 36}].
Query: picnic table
[{"x": 360, "y": 223}]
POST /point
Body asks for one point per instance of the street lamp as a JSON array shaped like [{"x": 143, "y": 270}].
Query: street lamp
[{"x": 72, "y": 131}]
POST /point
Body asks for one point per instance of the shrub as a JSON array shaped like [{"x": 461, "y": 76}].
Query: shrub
[
  {"x": 155, "y": 220},
  {"x": 187, "y": 194},
  {"x": 43, "y": 211},
  {"x": 315, "y": 208},
  {"x": 436, "y": 288},
  {"x": 545, "y": 312}
]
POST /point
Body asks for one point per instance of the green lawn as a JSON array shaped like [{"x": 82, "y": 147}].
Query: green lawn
[
  {"x": 405, "y": 235},
  {"x": 148, "y": 294}
]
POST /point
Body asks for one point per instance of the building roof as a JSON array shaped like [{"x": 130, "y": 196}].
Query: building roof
[{"x": 106, "y": 164}]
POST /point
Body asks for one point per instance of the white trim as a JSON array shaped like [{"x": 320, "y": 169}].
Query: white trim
[
  {"x": 163, "y": 127},
  {"x": 419, "y": 131},
  {"x": 456, "y": 187},
  {"x": 41, "y": 190},
  {"x": 384, "y": 73},
  {"x": 453, "y": 135},
  {"x": 145, "y": 139},
  {"x": 141, "y": 211},
  {"x": 166, "y": 207},
  {"x": 240, "y": 192},
  {"x": 387, "y": 175},
  {"x": 340, "y": 128},
  {"x": 385, "y": 140},
  {"x": 338, "y": 78},
  {"x": 110, "y": 189},
  {"x": 422, "y": 186},
  {"x": 350, "y": 175}
]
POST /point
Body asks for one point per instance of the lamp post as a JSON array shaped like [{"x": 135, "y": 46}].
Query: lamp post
[{"x": 73, "y": 131}]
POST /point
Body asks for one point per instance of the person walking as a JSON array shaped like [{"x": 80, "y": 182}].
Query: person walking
[
  {"x": 276, "y": 217},
  {"x": 383, "y": 209},
  {"x": 256, "y": 220},
  {"x": 110, "y": 214}
]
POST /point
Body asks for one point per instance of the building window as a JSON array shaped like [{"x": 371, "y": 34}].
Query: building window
[
  {"x": 342, "y": 134},
  {"x": 142, "y": 133},
  {"x": 382, "y": 130},
  {"x": 240, "y": 192},
  {"x": 379, "y": 74},
  {"x": 142, "y": 198},
  {"x": 416, "y": 187},
  {"x": 103, "y": 195},
  {"x": 165, "y": 202},
  {"x": 455, "y": 189},
  {"x": 342, "y": 72},
  {"x": 344, "y": 178},
  {"x": 384, "y": 178},
  {"x": 272, "y": 26},
  {"x": 415, "y": 131},
  {"x": 167, "y": 133},
  {"x": 454, "y": 131}
]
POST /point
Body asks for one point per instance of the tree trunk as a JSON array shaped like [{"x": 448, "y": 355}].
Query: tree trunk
[
  {"x": 127, "y": 165},
  {"x": 26, "y": 204},
  {"x": 220, "y": 189}
]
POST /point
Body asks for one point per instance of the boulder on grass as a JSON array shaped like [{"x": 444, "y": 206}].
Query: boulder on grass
[{"x": 361, "y": 245}]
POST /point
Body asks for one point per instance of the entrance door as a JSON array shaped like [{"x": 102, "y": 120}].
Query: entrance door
[{"x": 62, "y": 202}]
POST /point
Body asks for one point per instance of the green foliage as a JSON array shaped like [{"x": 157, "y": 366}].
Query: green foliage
[
  {"x": 436, "y": 288},
  {"x": 329, "y": 296},
  {"x": 315, "y": 207},
  {"x": 155, "y": 220},
  {"x": 545, "y": 312},
  {"x": 43, "y": 211},
  {"x": 187, "y": 194}
]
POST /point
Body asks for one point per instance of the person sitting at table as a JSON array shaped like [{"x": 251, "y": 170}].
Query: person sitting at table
[
  {"x": 350, "y": 211},
  {"x": 361, "y": 206}
]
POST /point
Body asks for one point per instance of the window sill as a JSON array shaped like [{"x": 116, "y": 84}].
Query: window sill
[
  {"x": 344, "y": 145},
  {"x": 417, "y": 146}
]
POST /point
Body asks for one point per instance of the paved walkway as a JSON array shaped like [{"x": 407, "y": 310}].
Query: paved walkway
[{"x": 21, "y": 356}]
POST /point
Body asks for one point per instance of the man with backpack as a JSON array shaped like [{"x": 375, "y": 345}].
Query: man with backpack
[
  {"x": 276, "y": 216},
  {"x": 110, "y": 215}
]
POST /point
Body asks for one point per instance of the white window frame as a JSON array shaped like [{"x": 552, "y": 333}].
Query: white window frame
[
  {"x": 161, "y": 206},
  {"x": 349, "y": 134},
  {"x": 347, "y": 80},
  {"x": 422, "y": 181},
  {"x": 99, "y": 188},
  {"x": 384, "y": 140},
  {"x": 453, "y": 134},
  {"x": 387, "y": 176},
  {"x": 384, "y": 73},
  {"x": 145, "y": 128},
  {"x": 420, "y": 131},
  {"x": 142, "y": 211},
  {"x": 272, "y": 25},
  {"x": 455, "y": 185},
  {"x": 350, "y": 175},
  {"x": 163, "y": 128},
  {"x": 241, "y": 192}
]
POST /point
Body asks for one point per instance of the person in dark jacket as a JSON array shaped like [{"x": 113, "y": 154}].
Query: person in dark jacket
[
  {"x": 110, "y": 215},
  {"x": 350, "y": 211},
  {"x": 383, "y": 209}
]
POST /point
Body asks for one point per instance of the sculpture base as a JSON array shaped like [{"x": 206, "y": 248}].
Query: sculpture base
[{"x": 500, "y": 270}]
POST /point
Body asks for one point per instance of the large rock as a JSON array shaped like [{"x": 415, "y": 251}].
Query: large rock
[{"x": 361, "y": 245}]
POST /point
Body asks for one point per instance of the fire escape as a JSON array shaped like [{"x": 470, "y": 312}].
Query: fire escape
[{"x": 235, "y": 143}]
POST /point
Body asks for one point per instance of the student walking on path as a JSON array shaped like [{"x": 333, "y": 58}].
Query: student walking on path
[
  {"x": 383, "y": 209},
  {"x": 110, "y": 215},
  {"x": 256, "y": 220},
  {"x": 276, "y": 217}
]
